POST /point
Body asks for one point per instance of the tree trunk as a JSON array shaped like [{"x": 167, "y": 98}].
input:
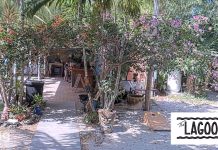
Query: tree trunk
[
  {"x": 22, "y": 84},
  {"x": 29, "y": 65},
  {"x": 15, "y": 79},
  {"x": 190, "y": 84},
  {"x": 11, "y": 85},
  {"x": 5, "y": 114},
  {"x": 147, "y": 102},
  {"x": 22, "y": 15},
  {"x": 87, "y": 84},
  {"x": 44, "y": 66},
  {"x": 156, "y": 8},
  {"x": 38, "y": 68},
  {"x": 117, "y": 82},
  {"x": 207, "y": 78}
]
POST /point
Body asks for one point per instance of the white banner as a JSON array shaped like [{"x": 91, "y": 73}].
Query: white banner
[{"x": 194, "y": 128}]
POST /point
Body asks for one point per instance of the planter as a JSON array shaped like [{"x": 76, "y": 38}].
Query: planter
[
  {"x": 84, "y": 100},
  {"x": 5, "y": 114},
  {"x": 106, "y": 119},
  {"x": 33, "y": 87},
  {"x": 135, "y": 101},
  {"x": 37, "y": 110},
  {"x": 20, "y": 117}
]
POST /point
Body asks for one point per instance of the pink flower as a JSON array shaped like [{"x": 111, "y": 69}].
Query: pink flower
[
  {"x": 196, "y": 17},
  {"x": 107, "y": 16},
  {"x": 215, "y": 74},
  {"x": 204, "y": 18},
  {"x": 135, "y": 24},
  {"x": 154, "y": 21},
  {"x": 142, "y": 19},
  {"x": 176, "y": 23},
  {"x": 200, "y": 18},
  {"x": 196, "y": 27}
]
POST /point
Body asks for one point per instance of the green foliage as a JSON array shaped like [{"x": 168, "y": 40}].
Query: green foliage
[
  {"x": 161, "y": 81},
  {"x": 201, "y": 33},
  {"x": 1, "y": 107},
  {"x": 17, "y": 109},
  {"x": 91, "y": 118},
  {"x": 104, "y": 27},
  {"x": 32, "y": 6},
  {"x": 192, "y": 99},
  {"x": 38, "y": 101}
]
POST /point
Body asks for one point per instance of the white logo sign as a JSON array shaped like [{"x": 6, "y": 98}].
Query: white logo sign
[{"x": 194, "y": 128}]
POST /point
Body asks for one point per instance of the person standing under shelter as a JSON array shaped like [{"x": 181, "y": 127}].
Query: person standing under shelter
[{"x": 66, "y": 67}]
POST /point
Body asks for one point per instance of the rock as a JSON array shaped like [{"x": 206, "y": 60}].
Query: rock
[
  {"x": 99, "y": 137},
  {"x": 33, "y": 119},
  {"x": 5, "y": 124},
  {"x": 1, "y": 122},
  {"x": 12, "y": 121},
  {"x": 94, "y": 137}
]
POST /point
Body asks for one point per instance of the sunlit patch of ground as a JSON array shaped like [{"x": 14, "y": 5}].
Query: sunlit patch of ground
[
  {"x": 211, "y": 98},
  {"x": 130, "y": 133},
  {"x": 17, "y": 138}
]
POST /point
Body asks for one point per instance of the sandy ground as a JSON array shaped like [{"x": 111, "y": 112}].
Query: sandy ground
[
  {"x": 17, "y": 138},
  {"x": 131, "y": 134},
  {"x": 129, "y": 131}
]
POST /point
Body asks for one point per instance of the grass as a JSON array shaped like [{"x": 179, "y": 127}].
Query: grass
[{"x": 188, "y": 98}]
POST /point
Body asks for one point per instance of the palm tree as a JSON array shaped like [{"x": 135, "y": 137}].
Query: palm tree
[
  {"x": 129, "y": 7},
  {"x": 8, "y": 12},
  {"x": 34, "y": 5}
]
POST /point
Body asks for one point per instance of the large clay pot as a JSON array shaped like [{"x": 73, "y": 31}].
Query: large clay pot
[
  {"x": 106, "y": 119},
  {"x": 20, "y": 117},
  {"x": 135, "y": 101},
  {"x": 5, "y": 114}
]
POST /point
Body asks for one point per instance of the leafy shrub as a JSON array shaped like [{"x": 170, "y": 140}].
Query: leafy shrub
[
  {"x": 16, "y": 109},
  {"x": 38, "y": 101},
  {"x": 91, "y": 118}
]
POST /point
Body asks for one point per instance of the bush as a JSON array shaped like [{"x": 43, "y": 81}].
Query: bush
[
  {"x": 38, "y": 101},
  {"x": 91, "y": 118},
  {"x": 14, "y": 109}
]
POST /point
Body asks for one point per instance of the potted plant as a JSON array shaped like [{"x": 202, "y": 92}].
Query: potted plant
[
  {"x": 19, "y": 112},
  {"x": 108, "y": 56},
  {"x": 38, "y": 104},
  {"x": 107, "y": 114}
]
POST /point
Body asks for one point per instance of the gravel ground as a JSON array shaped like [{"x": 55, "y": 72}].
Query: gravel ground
[
  {"x": 16, "y": 138},
  {"x": 131, "y": 134}
]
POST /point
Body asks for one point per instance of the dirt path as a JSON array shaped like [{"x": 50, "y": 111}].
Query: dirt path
[
  {"x": 58, "y": 128},
  {"x": 131, "y": 134}
]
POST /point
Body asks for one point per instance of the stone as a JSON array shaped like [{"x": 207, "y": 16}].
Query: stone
[
  {"x": 99, "y": 137},
  {"x": 12, "y": 121},
  {"x": 95, "y": 137},
  {"x": 33, "y": 119},
  {"x": 1, "y": 122}
]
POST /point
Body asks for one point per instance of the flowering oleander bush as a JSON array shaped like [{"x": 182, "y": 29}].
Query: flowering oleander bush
[{"x": 214, "y": 76}]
